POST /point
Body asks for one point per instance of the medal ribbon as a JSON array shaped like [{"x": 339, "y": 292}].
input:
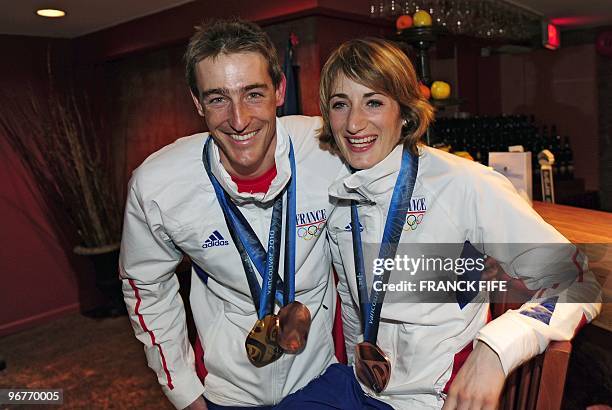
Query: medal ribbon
[
  {"x": 290, "y": 232},
  {"x": 250, "y": 248},
  {"x": 396, "y": 217}
]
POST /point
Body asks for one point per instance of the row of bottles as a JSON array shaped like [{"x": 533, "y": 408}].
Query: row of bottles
[{"x": 481, "y": 135}]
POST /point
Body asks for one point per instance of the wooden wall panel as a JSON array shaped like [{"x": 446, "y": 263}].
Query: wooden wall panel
[
  {"x": 604, "y": 91},
  {"x": 559, "y": 88},
  {"x": 150, "y": 103},
  {"x": 176, "y": 25}
]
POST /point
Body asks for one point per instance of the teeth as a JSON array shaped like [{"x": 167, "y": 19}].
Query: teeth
[
  {"x": 243, "y": 137},
  {"x": 363, "y": 141}
]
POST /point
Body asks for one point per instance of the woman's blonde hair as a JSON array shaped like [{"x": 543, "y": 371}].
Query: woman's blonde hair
[{"x": 382, "y": 66}]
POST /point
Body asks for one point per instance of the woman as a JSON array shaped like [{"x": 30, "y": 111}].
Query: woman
[{"x": 398, "y": 191}]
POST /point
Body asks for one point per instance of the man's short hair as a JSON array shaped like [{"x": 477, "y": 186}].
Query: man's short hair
[{"x": 231, "y": 36}]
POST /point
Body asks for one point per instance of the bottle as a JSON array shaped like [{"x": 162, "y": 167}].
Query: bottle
[
  {"x": 568, "y": 156},
  {"x": 562, "y": 159},
  {"x": 556, "y": 140},
  {"x": 544, "y": 137},
  {"x": 552, "y": 147},
  {"x": 539, "y": 143},
  {"x": 478, "y": 155}
]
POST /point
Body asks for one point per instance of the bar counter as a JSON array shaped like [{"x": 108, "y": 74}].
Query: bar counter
[
  {"x": 593, "y": 230},
  {"x": 577, "y": 224}
]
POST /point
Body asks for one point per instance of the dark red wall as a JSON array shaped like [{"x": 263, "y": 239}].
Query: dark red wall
[{"x": 41, "y": 278}]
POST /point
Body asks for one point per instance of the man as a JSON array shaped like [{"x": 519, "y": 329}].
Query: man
[{"x": 180, "y": 200}]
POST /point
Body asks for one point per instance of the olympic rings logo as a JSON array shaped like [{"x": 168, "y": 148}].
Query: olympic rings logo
[
  {"x": 413, "y": 221},
  {"x": 309, "y": 232}
]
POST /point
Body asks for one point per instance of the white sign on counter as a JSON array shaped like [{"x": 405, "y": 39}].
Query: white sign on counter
[{"x": 516, "y": 166}]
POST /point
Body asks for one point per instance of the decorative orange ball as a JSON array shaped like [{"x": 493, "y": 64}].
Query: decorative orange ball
[
  {"x": 425, "y": 92},
  {"x": 403, "y": 22}
]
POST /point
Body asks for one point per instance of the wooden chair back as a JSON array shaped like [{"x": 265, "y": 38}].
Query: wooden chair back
[{"x": 539, "y": 383}]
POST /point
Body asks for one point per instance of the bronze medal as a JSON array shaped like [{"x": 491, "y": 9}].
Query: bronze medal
[
  {"x": 372, "y": 366},
  {"x": 294, "y": 325},
  {"x": 262, "y": 342}
]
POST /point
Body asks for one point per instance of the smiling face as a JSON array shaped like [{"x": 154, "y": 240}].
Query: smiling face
[
  {"x": 366, "y": 124},
  {"x": 238, "y": 101}
]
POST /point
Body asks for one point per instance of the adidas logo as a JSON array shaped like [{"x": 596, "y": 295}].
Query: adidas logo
[
  {"x": 215, "y": 239},
  {"x": 348, "y": 227}
]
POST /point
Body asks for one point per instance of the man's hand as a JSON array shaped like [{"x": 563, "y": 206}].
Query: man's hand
[
  {"x": 479, "y": 383},
  {"x": 198, "y": 404}
]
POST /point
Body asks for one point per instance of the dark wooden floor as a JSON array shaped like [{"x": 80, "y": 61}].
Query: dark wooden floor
[
  {"x": 98, "y": 364},
  {"x": 101, "y": 365}
]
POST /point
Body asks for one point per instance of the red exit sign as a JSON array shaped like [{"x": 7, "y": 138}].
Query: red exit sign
[{"x": 551, "y": 36}]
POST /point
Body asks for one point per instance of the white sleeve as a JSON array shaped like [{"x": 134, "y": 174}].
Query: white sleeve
[
  {"x": 151, "y": 291},
  {"x": 529, "y": 249},
  {"x": 351, "y": 322}
]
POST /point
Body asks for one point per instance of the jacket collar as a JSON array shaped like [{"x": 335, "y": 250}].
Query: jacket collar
[
  {"x": 365, "y": 185},
  {"x": 283, "y": 171}
]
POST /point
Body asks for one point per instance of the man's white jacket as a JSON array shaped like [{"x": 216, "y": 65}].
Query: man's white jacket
[
  {"x": 455, "y": 200},
  {"x": 172, "y": 208}
]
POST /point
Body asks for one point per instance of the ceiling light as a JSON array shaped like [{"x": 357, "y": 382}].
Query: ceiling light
[{"x": 51, "y": 13}]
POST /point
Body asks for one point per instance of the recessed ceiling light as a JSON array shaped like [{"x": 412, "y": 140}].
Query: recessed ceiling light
[{"x": 51, "y": 13}]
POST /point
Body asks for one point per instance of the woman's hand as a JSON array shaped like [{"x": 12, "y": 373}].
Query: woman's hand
[{"x": 479, "y": 383}]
